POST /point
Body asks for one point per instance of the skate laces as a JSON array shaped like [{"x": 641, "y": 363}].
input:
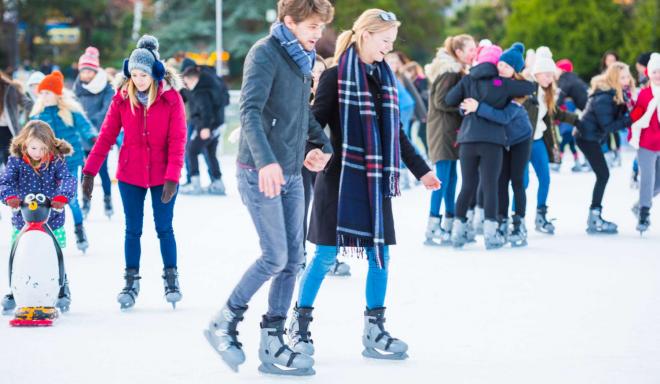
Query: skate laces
[
  {"x": 380, "y": 322},
  {"x": 284, "y": 347}
]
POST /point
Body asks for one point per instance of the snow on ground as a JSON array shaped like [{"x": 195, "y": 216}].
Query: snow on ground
[{"x": 571, "y": 308}]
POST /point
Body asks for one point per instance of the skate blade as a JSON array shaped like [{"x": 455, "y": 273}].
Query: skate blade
[
  {"x": 209, "y": 338},
  {"x": 374, "y": 354},
  {"x": 596, "y": 233},
  {"x": 432, "y": 242},
  {"x": 347, "y": 274},
  {"x": 30, "y": 323},
  {"x": 518, "y": 244},
  {"x": 273, "y": 369}
]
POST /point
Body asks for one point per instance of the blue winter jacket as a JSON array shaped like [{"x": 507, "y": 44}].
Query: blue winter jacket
[
  {"x": 51, "y": 179},
  {"x": 74, "y": 135},
  {"x": 514, "y": 117}
]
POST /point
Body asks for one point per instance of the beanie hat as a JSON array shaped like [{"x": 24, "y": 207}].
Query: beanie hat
[
  {"x": 654, "y": 62},
  {"x": 35, "y": 78},
  {"x": 644, "y": 58},
  {"x": 488, "y": 54},
  {"x": 543, "y": 62},
  {"x": 565, "y": 65},
  {"x": 514, "y": 56},
  {"x": 89, "y": 59},
  {"x": 53, "y": 82},
  {"x": 146, "y": 58},
  {"x": 187, "y": 63}
]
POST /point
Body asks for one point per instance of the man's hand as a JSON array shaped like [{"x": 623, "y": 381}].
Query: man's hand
[
  {"x": 204, "y": 133},
  {"x": 271, "y": 180}
]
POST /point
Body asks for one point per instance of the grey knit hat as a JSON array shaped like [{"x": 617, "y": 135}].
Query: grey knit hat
[{"x": 145, "y": 55}]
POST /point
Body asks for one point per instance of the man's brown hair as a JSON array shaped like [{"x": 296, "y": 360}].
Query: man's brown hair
[{"x": 300, "y": 10}]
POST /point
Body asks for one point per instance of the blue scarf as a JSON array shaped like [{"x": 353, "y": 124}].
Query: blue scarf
[
  {"x": 370, "y": 155},
  {"x": 143, "y": 97},
  {"x": 304, "y": 59}
]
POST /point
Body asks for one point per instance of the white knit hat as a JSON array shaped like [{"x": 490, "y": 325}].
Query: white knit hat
[
  {"x": 654, "y": 62},
  {"x": 543, "y": 61}
]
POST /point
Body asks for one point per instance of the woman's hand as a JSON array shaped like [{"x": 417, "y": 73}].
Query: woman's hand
[
  {"x": 469, "y": 105},
  {"x": 169, "y": 190},
  {"x": 430, "y": 181},
  {"x": 87, "y": 186}
]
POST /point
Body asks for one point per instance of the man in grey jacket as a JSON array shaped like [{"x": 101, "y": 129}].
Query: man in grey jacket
[{"x": 276, "y": 127}]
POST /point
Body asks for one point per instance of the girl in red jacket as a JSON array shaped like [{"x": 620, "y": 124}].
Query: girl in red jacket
[
  {"x": 645, "y": 135},
  {"x": 150, "y": 110}
]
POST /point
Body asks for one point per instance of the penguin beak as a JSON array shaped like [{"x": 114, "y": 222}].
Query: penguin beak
[{"x": 33, "y": 206}]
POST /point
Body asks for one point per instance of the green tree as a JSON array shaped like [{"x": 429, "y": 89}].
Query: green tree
[
  {"x": 486, "y": 21},
  {"x": 643, "y": 33}
]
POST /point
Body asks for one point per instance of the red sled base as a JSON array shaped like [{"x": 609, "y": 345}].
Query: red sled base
[{"x": 30, "y": 323}]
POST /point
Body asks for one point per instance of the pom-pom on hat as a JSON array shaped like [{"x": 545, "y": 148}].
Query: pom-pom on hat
[{"x": 146, "y": 58}]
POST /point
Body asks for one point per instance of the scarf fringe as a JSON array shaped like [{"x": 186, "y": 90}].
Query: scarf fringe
[{"x": 356, "y": 247}]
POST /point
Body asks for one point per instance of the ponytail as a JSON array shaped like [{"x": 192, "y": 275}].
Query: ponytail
[{"x": 344, "y": 40}]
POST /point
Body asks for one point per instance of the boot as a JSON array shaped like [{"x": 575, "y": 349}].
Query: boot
[
  {"x": 299, "y": 336},
  {"x": 459, "y": 234},
  {"x": 107, "y": 206},
  {"x": 81, "y": 238},
  {"x": 503, "y": 228},
  {"x": 518, "y": 236},
  {"x": 644, "y": 220},
  {"x": 127, "y": 296},
  {"x": 378, "y": 343},
  {"x": 634, "y": 180},
  {"x": 340, "y": 269},
  {"x": 636, "y": 209},
  {"x": 276, "y": 357},
  {"x": 542, "y": 224},
  {"x": 478, "y": 220},
  {"x": 8, "y": 304},
  {"x": 433, "y": 231},
  {"x": 492, "y": 237},
  {"x": 471, "y": 233},
  {"x": 447, "y": 225},
  {"x": 596, "y": 224},
  {"x": 223, "y": 336},
  {"x": 86, "y": 205},
  {"x": 194, "y": 188},
  {"x": 64, "y": 297},
  {"x": 171, "y": 281},
  {"x": 217, "y": 188}
]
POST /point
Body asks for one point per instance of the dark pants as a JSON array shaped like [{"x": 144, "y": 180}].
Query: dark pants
[
  {"x": 132, "y": 198},
  {"x": 208, "y": 147},
  {"x": 308, "y": 179},
  {"x": 514, "y": 163},
  {"x": 594, "y": 154},
  {"x": 479, "y": 162},
  {"x": 106, "y": 182},
  {"x": 5, "y": 141},
  {"x": 567, "y": 138}
]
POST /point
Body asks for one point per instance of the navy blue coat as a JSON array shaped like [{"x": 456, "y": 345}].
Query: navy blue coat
[
  {"x": 515, "y": 119},
  {"x": 602, "y": 116}
]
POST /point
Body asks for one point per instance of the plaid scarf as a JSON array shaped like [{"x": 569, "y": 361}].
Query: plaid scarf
[
  {"x": 370, "y": 154},
  {"x": 304, "y": 59}
]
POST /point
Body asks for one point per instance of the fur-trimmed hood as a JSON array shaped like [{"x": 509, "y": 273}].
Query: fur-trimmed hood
[{"x": 442, "y": 62}]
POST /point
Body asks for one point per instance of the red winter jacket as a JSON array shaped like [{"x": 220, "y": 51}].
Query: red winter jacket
[
  {"x": 650, "y": 137},
  {"x": 154, "y": 140}
]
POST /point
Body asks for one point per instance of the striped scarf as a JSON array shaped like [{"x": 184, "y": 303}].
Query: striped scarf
[
  {"x": 304, "y": 59},
  {"x": 370, "y": 154}
]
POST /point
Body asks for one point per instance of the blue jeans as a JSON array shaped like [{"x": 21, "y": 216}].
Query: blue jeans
[
  {"x": 446, "y": 172},
  {"x": 132, "y": 198},
  {"x": 106, "y": 183},
  {"x": 324, "y": 259},
  {"x": 74, "y": 205},
  {"x": 541, "y": 163},
  {"x": 279, "y": 225}
]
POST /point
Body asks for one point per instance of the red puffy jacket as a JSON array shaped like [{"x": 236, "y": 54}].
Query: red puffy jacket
[{"x": 650, "y": 137}]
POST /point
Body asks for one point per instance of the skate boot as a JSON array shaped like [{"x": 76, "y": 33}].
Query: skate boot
[
  {"x": 518, "y": 236},
  {"x": 492, "y": 236},
  {"x": 8, "y": 304},
  {"x": 503, "y": 228},
  {"x": 217, "y": 188},
  {"x": 107, "y": 206},
  {"x": 276, "y": 357},
  {"x": 459, "y": 233},
  {"x": 64, "y": 297},
  {"x": 596, "y": 224},
  {"x": 577, "y": 167},
  {"x": 447, "y": 225},
  {"x": 635, "y": 209},
  {"x": 555, "y": 167},
  {"x": 340, "y": 269},
  {"x": 127, "y": 296},
  {"x": 223, "y": 336},
  {"x": 194, "y": 188},
  {"x": 86, "y": 206},
  {"x": 634, "y": 180},
  {"x": 81, "y": 238},
  {"x": 542, "y": 224},
  {"x": 433, "y": 232},
  {"x": 478, "y": 220},
  {"x": 644, "y": 220},
  {"x": 471, "y": 233},
  {"x": 378, "y": 344},
  {"x": 298, "y": 332},
  {"x": 34, "y": 317},
  {"x": 171, "y": 281}
]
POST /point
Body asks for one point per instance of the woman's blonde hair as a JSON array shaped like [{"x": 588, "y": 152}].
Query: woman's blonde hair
[
  {"x": 66, "y": 105},
  {"x": 371, "y": 21},
  {"x": 40, "y": 130},
  {"x": 610, "y": 80}
]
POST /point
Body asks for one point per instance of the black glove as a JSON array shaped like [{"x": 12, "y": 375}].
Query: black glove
[
  {"x": 87, "y": 186},
  {"x": 169, "y": 190}
]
